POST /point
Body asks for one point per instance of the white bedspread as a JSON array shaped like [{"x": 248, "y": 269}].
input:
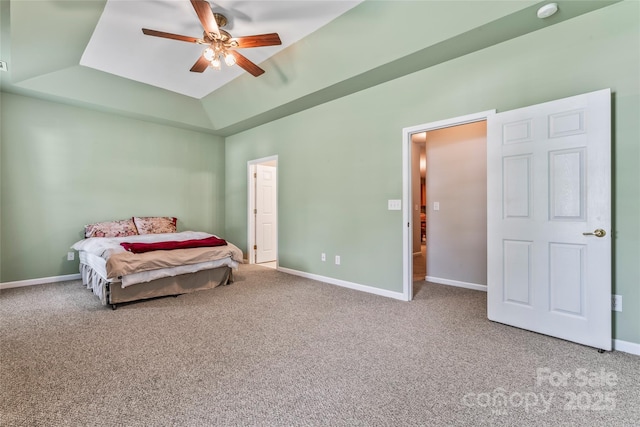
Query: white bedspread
[
  {"x": 95, "y": 251},
  {"x": 107, "y": 246}
]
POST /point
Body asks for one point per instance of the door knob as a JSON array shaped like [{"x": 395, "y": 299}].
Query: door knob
[{"x": 598, "y": 233}]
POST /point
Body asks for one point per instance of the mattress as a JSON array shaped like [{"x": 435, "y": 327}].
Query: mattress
[
  {"x": 98, "y": 265},
  {"x": 106, "y": 266}
]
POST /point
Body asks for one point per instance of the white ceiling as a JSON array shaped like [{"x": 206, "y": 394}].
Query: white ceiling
[{"x": 118, "y": 46}]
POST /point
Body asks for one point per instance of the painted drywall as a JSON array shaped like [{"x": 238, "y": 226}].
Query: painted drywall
[
  {"x": 4, "y": 18},
  {"x": 340, "y": 162},
  {"x": 457, "y": 181},
  {"x": 63, "y": 167},
  {"x": 294, "y": 73},
  {"x": 49, "y": 66},
  {"x": 1, "y": 94}
]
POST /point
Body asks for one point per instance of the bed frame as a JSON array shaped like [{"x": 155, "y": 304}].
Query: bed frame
[{"x": 115, "y": 294}]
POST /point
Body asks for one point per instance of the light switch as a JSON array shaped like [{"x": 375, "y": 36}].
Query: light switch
[
  {"x": 436, "y": 206},
  {"x": 395, "y": 205}
]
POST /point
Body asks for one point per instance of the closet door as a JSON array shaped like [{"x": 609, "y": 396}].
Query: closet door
[{"x": 266, "y": 204}]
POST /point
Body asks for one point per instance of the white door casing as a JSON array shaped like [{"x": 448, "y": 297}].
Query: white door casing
[
  {"x": 266, "y": 205},
  {"x": 407, "y": 211},
  {"x": 548, "y": 183}
]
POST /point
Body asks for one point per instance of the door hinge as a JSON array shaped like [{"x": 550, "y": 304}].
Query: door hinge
[
  {"x": 255, "y": 175},
  {"x": 255, "y": 247},
  {"x": 255, "y": 211}
]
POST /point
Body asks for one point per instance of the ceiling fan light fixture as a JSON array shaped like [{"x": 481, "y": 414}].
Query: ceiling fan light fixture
[
  {"x": 208, "y": 54},
  {"x": 229, "y": 59},
  {"x": 215, "y": 63}
]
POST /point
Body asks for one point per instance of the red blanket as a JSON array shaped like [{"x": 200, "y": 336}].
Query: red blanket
[{"x": 138, "y": 248}]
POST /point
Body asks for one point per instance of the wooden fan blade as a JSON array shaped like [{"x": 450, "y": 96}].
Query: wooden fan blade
[
  {"x": 200, "y": 65},
  {"x": 270, "y": 39},
  {"x": 245, "y": 63},
  {"x": 208, "y": 21},
  {"x": 171, "y": 36}
]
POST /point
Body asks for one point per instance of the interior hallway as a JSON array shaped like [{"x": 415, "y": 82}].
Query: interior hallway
[{"x": 420, "y": 264}]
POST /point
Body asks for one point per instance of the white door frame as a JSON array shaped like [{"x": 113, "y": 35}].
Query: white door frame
[
  {"x": 407, "y": 225},
  {"x": 251, "y": 205}
]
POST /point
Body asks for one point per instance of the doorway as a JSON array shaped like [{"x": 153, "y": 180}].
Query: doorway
[
  {"x": 449, "y": 175},
  {"x": 418, "y": 201},
  {"x": 408, "y": 191},
  {"x": 263, "y": 211}
]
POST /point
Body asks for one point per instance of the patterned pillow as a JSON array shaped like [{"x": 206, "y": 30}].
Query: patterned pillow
[
  {"x": 155, "y": 224},
  {"x": 121, "y": 228}
]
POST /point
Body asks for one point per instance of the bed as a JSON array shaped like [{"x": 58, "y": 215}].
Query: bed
[{"x": 121, "y": 263}]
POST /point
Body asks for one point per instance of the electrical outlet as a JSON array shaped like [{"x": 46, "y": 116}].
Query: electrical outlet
[
  {"x": 616, "y": 302},
  {"x": 337, "y": 259},
  {"x": 323, "y": 257},
  {"x": 71, "y": 256}
]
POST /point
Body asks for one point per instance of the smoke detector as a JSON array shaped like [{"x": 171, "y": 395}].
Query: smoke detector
[{"x": 547, "y": 10}]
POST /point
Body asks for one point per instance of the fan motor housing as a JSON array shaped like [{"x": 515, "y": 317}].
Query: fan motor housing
[{"x": 221, "y": 20}]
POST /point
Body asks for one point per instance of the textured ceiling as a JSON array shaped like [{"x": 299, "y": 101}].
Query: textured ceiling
[{"x": 118, "y": 46}]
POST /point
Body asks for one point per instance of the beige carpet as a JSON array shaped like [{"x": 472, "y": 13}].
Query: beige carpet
[{"x": 277, "y": 350}]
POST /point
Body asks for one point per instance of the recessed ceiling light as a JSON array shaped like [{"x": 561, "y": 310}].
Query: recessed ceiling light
[{"x": 547, "y": 10}]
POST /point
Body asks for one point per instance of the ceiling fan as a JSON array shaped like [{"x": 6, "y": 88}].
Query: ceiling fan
[{"x": 221, "y": 46}]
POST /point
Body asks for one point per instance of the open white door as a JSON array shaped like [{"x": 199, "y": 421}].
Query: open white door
[
  {"x": 266, "y": 202},
  {"x": 549, "y": 218}
]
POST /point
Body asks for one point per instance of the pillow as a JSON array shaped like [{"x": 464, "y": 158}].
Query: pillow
[
  {"x": 121, "y": 228},
  {"x": 155, "y": 224}
]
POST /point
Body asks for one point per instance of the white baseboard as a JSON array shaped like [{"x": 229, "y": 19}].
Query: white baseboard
[
  {"x": 626, "y": 347},
  {"x": 345, "y": 284},
  {"x": 457, "y": 283},
  {"x": 31, "y": 282}
]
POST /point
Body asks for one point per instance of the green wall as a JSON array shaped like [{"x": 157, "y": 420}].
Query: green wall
[
  {"x": 1, "y": 103},
  {"x": 63, "y": 167},
  {"x": 340, "y": 162}
]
